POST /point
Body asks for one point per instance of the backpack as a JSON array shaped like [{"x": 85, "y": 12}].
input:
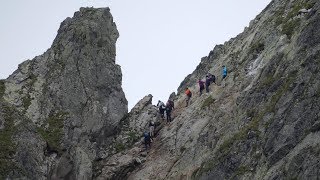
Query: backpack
[
  {"x": 188, "y": 92},
  {"x": 146, "y": 136},
  {"x": 213, "y": 78},
  {"x": 171, "y": 103}
]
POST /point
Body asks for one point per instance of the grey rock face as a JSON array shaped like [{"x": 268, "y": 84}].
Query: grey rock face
[
  {"x": 73, "y": 97},
  {"x": 261, "y": 121},
  {"x": 129, "y": 153}
]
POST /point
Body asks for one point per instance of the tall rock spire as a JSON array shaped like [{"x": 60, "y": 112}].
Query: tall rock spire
[{"x": 72, "y": 95}]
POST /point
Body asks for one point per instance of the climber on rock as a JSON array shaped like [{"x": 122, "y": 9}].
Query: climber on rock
[
  {"x": 210, "y": 79},
  {"x": 151, "y": 129},
  {"x": 162, "y": 108},
  {"x": 171, "y": 103},
  {"x": 189, "y": 94},
  {"x": 201, "y": 86},
  {"x": 147, "y": 140},
  {"x": 224, "y": 71},
  {"x": 168, "y": 111}
]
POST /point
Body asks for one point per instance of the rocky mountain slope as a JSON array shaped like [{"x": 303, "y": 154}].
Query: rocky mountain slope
[
  {"x": 262, "y": 121},
  {"x": 63, "y": 114}
]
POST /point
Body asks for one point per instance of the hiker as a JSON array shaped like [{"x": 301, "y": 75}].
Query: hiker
[
  {"x": 224, "y": 71},
  {"x": 162, "y": 108},
  {"x": 171, "y": 103},
  {"x": 209, "y": 78},
  {"x": 201, "y": 85},
  {"x": 189, "y": 94},
  {"x": 208, "y": 81},
  {"x": 147, "y": 140},
  {"x": 168, "y": 111},
  {"x": 212, "y": 78},
  {"x": 151, "y": 128}
]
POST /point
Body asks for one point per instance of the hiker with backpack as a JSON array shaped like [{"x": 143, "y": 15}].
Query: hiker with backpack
[
  {"x": 224, "y": 71},
  {"x": 209, "y": 78},
  {"x": 201, "y": 86},
  {"x": 147, "y": 140},
  {"x": 189, "y": 94},
  {"x": 171, "y": 103},
  {"x": 168, "y": 111},
  {"x": 151, "y": 128},
  {"x": 162, "y": 108}
]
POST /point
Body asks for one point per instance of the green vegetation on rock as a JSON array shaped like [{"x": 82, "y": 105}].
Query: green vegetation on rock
[
  {"x": 241, "y": 171},
  {"x": 119, "y": 147},
  {"x": 288, "y": 21},
  {"x": 133, "y": 137},
  {"x": 26, "y": 101},
  {"x": 52, "y": 131},
  {"x": 2, "y": 88},
  {"x": 8, "y": 148},
  {"x": 289, "y": 27},
  {"x": 207, "y": 102},
  {"x": 256, "y": 48}
]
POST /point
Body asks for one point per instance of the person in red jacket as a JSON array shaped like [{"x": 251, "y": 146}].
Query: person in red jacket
[{"x": 189, "y": 94}]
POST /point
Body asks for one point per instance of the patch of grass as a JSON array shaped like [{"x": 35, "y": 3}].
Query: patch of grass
[
  {"x": 52, "y": 131},
  {"x": 239, "y": 136},
  {"x": 289, "y": 27},
  {"x": 8, "y": 148},
  {"x": 278, "y": 94},
  {"x": 267, "y": 81},
  {"x": 2, "y": 88},
  {"x": 279, "y": 18},
  {"x": 295, "y": 9},
  {"x": 241, "y": 171},
  {"x": 133, "y": 137},
  {"x": 207, "y": 102},
  {"x": 256, "y": 47},
  {"x": 205, "y": 167},
  {"x": 119, "y": 147},
  {"x": 33, "y": 79},
  {"x": 26, "y": 101}
]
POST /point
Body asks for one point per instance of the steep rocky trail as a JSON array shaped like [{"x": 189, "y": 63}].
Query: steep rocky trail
[{"x": 261, "y": 120}]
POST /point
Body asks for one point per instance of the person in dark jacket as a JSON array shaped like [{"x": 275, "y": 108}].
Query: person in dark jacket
[
  {"x": 168, "y": 111},
  {"x": 147, "y": 140},
  {"x": 201, "y": 86},
  {"x": 209, "y": 79}
]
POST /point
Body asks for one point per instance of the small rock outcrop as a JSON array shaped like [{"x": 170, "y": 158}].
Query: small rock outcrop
[
  {"x": 67, "y": 102},
  {"x": 129, "y": 148}
]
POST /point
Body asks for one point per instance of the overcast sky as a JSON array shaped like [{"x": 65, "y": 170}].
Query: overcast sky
[{"x": 160, "y": 43}]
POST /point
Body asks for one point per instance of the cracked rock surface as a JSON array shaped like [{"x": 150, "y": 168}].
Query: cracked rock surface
[{"x": 73, "y": 97}]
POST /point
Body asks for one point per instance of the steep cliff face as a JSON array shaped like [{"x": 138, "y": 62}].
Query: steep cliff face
[
  {"x": 262, "y": 120},
  {"x": 66, "y": 102}
]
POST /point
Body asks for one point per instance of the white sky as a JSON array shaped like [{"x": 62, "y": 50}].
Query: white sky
[{"x": 160, "y": 43}]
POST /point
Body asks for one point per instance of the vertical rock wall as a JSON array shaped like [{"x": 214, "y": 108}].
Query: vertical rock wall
[{"x": 71, "y": 96}]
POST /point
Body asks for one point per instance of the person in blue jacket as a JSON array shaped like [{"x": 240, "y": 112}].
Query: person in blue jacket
[{"x": 224, "y": 71}]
